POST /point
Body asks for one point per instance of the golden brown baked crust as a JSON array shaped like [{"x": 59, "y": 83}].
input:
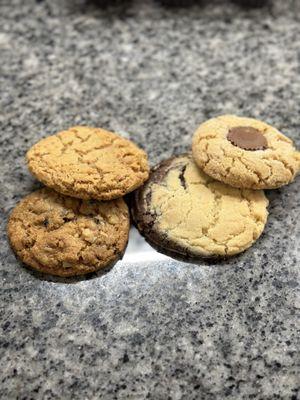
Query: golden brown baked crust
[
  {"x": 271, "y": 168},
  {"x": 88, "y": 163},
  {"x": 63, "y": 236}
]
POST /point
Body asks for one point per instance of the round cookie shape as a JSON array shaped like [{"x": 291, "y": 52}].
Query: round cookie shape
[
  {"x": 88, "y": 163},
  {"x": 245, "y": 153},
  {"x": 64, "y": 236},
  {"x": 183, "y": 211}
]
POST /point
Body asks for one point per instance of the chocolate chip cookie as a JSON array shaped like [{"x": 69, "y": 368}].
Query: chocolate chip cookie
[
  {"x": 88, "y": 163},
  {"x": 63, "y": 236},
  {"x": 182, "y": 210},
  {"x": 245, "y": 153}
]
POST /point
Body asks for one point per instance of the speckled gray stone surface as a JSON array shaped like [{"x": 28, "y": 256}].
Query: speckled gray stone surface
[{"x": 152, "y": 327}]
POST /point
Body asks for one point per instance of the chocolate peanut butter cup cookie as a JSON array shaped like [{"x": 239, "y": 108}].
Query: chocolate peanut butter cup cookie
[
  {"x": 88, "y": 163},
  {"x": 182, "y": 210},
  {"x": 245, "y": 153},
  {"x": 63, "y": 236}
]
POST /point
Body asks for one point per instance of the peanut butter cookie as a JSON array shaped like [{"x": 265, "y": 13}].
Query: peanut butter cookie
[
  {"x": 245, "y": 153},
  {"x": 63, "y": 236},
  {"x": 182, "y": 210},
  {"x": 88, "y": 163}
]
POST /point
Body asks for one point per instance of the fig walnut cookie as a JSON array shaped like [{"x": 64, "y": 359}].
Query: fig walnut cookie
[
  {"x": 182, "y": 210},
  {"x": 245, "y": 153},
  {"x": 64, "y": 236},
  {"x": 88, "y": 163}
]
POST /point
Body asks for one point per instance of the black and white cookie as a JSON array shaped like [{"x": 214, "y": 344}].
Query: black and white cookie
[{"x": 182, "y": 210}]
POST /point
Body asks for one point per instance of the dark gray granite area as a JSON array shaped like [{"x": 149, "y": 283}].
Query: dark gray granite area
[{"x": 152, "y": 327}]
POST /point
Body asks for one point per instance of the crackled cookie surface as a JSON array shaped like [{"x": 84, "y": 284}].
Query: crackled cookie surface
[
  {"x": 245, "y": 153},
  {"x": 88, "y": 163},
  {"x": 181, "y": 209},
  {"x": 63, "y": 236}
]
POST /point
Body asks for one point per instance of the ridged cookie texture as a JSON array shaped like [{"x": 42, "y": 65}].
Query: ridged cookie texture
[
  {"x": 88, "y": 163},
  {"x": 64, "y": 236},
  {"x": 182, "y": 210},
  {"x": 265, "y": 168}
]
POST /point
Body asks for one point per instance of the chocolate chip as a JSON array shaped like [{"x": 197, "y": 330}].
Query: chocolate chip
[
  {"x": 97, "y": 219},
  {"x": 148, "y": 197},
  {"x": 46, "y": 222},
  {"x": 247, "y": 138},
  {"x": 182, "y": 178}
]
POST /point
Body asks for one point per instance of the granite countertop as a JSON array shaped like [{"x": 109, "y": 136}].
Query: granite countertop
[{"x": 152, "y": 327}]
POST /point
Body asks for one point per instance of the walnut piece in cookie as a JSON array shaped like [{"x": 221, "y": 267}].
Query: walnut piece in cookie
[
  {"x": 183, "y": 211},
  {"x": 245, "y": 153},
  {"x": 88, "y": 163},
  {"x": 64, "y": 236}
]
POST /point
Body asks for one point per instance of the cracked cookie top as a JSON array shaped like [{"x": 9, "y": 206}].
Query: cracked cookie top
[
  {"x": 88, "y": 163},
  {"x": 245, "y": 153},
  {"x": 64, "y": 236},
  {"x": 184, "y": 211}
]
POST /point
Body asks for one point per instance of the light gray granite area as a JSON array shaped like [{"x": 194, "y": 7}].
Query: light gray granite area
[{"x": 152, "y": 327}]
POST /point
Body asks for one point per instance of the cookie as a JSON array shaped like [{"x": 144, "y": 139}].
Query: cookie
[
  {"x": 88, "y": 163},
  {"x": 245, "y": 153},
  {"x": 63, "y": 236},
  {"x": 182, "y": 210}
]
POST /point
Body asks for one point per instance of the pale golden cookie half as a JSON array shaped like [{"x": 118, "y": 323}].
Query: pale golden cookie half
[
  {"x": 182, "y": 210},
  {"x": 88, "y": 163},
  {"x": 63, "y": 236},
  {"x": 245, "y": 153}
]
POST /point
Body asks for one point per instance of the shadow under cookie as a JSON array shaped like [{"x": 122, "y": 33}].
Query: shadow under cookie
[{"x": 42, "y": 276}]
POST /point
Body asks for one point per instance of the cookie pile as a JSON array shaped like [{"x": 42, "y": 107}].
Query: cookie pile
[
  {"x": 79, "y": 222},
  {"x": 207, "y": 203},
  {"x": 210, "y": 203}
]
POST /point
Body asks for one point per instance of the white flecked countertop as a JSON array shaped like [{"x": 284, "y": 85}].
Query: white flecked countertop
[{"x": 152, "y": 327}]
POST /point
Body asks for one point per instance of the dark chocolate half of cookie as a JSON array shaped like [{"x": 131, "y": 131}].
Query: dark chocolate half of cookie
[{"x": 145, "y": 219}]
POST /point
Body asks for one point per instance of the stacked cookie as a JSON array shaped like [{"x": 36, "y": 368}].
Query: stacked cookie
[
  {"x": 210, "y": 203},
  {"x": 79, "y": 222}
]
